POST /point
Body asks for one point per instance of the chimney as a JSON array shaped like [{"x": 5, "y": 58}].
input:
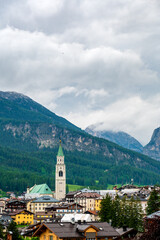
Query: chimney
[
  {"x": 124, "y": 228},
  {"x": 73, "y": 220}
]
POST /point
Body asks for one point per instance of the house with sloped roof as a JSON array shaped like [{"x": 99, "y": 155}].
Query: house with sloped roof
[
  {"x": 93, "y": 214},
  {"x": 65, "y": 231},
  {"x": 41, "y": 203},
  {"x": 65, "y": 208},
  {"x": 14, "y": 205},
  {"x": 22, "y": 217},
  {"x": 87, "y": 200}
]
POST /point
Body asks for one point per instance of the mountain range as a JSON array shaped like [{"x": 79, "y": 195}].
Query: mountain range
[
  {"x": 121, "y": 138},
  {"x": 29, "y": 138},
  {"x": 152, "y": 149}
]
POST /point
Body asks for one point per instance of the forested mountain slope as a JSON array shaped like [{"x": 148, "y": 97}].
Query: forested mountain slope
[{"x": 29, "y": 146}]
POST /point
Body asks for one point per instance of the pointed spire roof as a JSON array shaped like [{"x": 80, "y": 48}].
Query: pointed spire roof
[{"x": 60, "y": 151}]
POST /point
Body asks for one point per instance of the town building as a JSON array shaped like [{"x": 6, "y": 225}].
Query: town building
[
  {"x": 28, "y": 231},
  {"x": 78, "y": 217},
  {"x": 70, "y": 196},
  {"x": 22, "y": 217},
  {"x": 87, "y": 200},
  {"x": 44, "y": 217},
  {"x": 65, "y": 231},
  {"x": 93, "y": 215},
  {"x": 2, "y": 207},
  {"x": 65, "y": 208},
  {"x": 15, "y": 205},
  {"x": 97, "y": 206},
  {"x": 40, "y": 204}
]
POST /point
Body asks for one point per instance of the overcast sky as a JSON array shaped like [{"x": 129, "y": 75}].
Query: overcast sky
[{"x": 90, "y": 61}]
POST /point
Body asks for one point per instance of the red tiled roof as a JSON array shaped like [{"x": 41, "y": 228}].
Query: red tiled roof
[
  {"x": 92, "y": 212},
  {"x": 88, "y": 195}
]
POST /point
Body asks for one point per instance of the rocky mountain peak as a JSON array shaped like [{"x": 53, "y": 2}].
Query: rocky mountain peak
[
  {"x": 121, "y": 138},
  {"x": 152, "y": 149}
]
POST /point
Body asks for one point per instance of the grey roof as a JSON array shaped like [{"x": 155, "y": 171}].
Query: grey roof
[
  {"x": 69, "y": 230},
  {"x": 65, "y": 206},
  {"x": 5, "y": 219},
  {"x": 122, "y": 232},
  {"x": 72, "y": 194},
  {"x": 45, "y": 199},
  {"x": 82, "y": 227},
  {"x": 154, "y": 215}
]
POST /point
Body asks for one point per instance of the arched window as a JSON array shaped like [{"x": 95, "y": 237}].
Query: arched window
[{"x": 60, "y": 174}]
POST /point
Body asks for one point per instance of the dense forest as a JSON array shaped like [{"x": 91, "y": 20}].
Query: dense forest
[{"x": 21, "y": 169}]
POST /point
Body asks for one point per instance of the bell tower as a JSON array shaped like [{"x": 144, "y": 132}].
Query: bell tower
[{"x": 60, "y": 181}]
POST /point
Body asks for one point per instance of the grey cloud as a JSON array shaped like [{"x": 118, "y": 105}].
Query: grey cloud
[{"x": 85, "y": 58}]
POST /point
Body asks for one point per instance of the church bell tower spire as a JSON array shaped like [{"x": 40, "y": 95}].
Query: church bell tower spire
[{"x": 60, "y": 181}]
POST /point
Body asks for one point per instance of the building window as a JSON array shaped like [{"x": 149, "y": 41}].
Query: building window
[
  {"x": 50, "y": 237},
  {"x": 60, "y": 174}
]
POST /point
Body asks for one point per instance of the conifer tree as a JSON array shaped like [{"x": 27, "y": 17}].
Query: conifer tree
[
  {"x": 124, "y": 214},
  {"x": 116, "y": 211},
  {"x": 67, "y": 188},
  {"x": 1, "y": 232},
  {"x": 106, "y": 209},
  {"x": 153, "y": 204},
  {"x": 13, "y": 228},
  {"x": 135, "y": 214}
]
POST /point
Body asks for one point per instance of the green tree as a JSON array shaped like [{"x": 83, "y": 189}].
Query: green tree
[
  {"x": 153, "y": 204},
  {"x": 106, "y": 209},
  {"x": 67, "y": 188},
  {"x": 13, "y": 228},
  {"x": 116, "y": 213},
  {"x": 1, "y": 232},
  {"x": 135, "y": 214},
  {"x": 125, "y": 212}
]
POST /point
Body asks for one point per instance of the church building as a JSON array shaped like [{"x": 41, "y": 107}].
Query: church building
[{"x": 60, "y": 176}]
